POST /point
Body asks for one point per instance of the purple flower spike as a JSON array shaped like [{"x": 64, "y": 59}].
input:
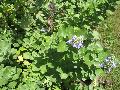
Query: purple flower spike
[
  {"x": 80, "y": 45},
  {"x": 76, "y": 42},
  {"x": 108, "y": 64},
  {"x": 74, "y": 45},
  {"x": 74, "y": 38},
  {"x": 69, "y": 42},
  {"x": 113, "y": 64}
]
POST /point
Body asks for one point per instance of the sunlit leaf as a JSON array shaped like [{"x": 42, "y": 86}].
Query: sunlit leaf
[
  {"x": 20, "y": 58},
  {"x": 62, "y": 47}
]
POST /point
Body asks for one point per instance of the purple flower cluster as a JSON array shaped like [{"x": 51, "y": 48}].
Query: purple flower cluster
[
  {"x": 76, "y": 42},
  {"x": 108, "y": 64}
]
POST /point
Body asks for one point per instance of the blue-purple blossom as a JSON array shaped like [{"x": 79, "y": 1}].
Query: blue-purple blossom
[
  {"x": 76, "y": 42},
  {"x": 108, "y": 59},
  {"x": 108, "y": 64},
  {"x": 113, "y": 64}
]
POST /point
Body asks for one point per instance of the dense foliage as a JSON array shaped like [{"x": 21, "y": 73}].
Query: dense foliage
[{"x": 51, "y": 45}]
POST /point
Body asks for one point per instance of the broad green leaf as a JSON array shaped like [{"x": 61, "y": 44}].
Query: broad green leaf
[
  {"x": 62, "y": 47},
  {"x": 96, "y": 35},
  {"x": 62, "y": 32},
  {"x": 16, "y": 76},
  {"x": 27, "y": 55},
  {"x": 43, "y": 69},
  {"x": 13, "y": 50},
  {"x": 12, "y": 84},
  {"x": 99, "y": 72},
  {"x": 20, "y": 58},
  {"x": 87, "y": 60},
  {"x": 26, "y": 63},
  {"x": 3, "y": 81}
]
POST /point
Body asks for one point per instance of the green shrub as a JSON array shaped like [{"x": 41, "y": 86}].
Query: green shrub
[{"x": 48, "y": 45}]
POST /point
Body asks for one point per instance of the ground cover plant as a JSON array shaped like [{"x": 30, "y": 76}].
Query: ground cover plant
[
  {"x": 109, "y": 30},
  {"x": 52, "y": 45}
]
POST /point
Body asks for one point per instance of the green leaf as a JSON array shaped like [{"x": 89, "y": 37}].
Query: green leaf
[
  {"x": 101, "y": 17},
  {"x": 1, "y": 58},
  {"x": 13, "y": 50},
  {"x": 57, "y": 88},
  {"x": 50, "y": 65},
  {"x": 62, "y": 32},
  {"x": 16, "y": 76},
  {"x": 63, "y": 75},
  {"x": 62, "y": 47},
  {"x": 3, "y": 81},
  {"x": 26, "y": 63},
  {"x": 1, "y": 15},
  {"x": 99, "y": 72},
  {"x": 27, "y": 55},
  {"x": 12, "y": 84},
  {"x": 118, "y": 2},
  {"x": 16, "y": 45},
  {"x": 87, "y": 26},
  {"x": 96, "y": 35},
  {"x": 34, "y": 68},
  {"x": 102, "y": 55},
  {"x": 43, "y": 69},
  {"x": 59, "y": 70},
  {"x": 22, "y": 49},
  {"x": 75, "y": 56},
  {"x": 109, "y": 12},
  {"x": 87, "y": 60}
]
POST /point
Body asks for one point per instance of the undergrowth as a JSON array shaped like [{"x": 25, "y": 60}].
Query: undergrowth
[{"x": 110, "y": 38}]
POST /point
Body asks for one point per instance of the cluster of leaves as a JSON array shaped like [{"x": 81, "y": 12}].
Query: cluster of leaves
[{"x": 34, "y": 54}]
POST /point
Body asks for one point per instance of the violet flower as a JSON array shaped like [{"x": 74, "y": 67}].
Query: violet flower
[
  {"x": 108, "y": 64},
  {"x": 76, "y": 42}
]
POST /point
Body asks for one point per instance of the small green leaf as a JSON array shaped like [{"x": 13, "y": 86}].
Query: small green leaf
[
  {"x": 101, "y": 18},
  {"x": 59, "y": 70},
  {"x": 63, "y": 75},
  {"x": 1, "y": 58},
  {"x": 16, "y": 45},
  {"x": 50, "y": 65},
  {"x": 22, "y": 49},
  {"x": 109, "y": 12},
  {"x": 1, "y": 15},
  {"x": 26, "y": 63}
]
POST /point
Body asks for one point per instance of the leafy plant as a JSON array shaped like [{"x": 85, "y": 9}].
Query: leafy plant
[{"x": 50, "y": 44}]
